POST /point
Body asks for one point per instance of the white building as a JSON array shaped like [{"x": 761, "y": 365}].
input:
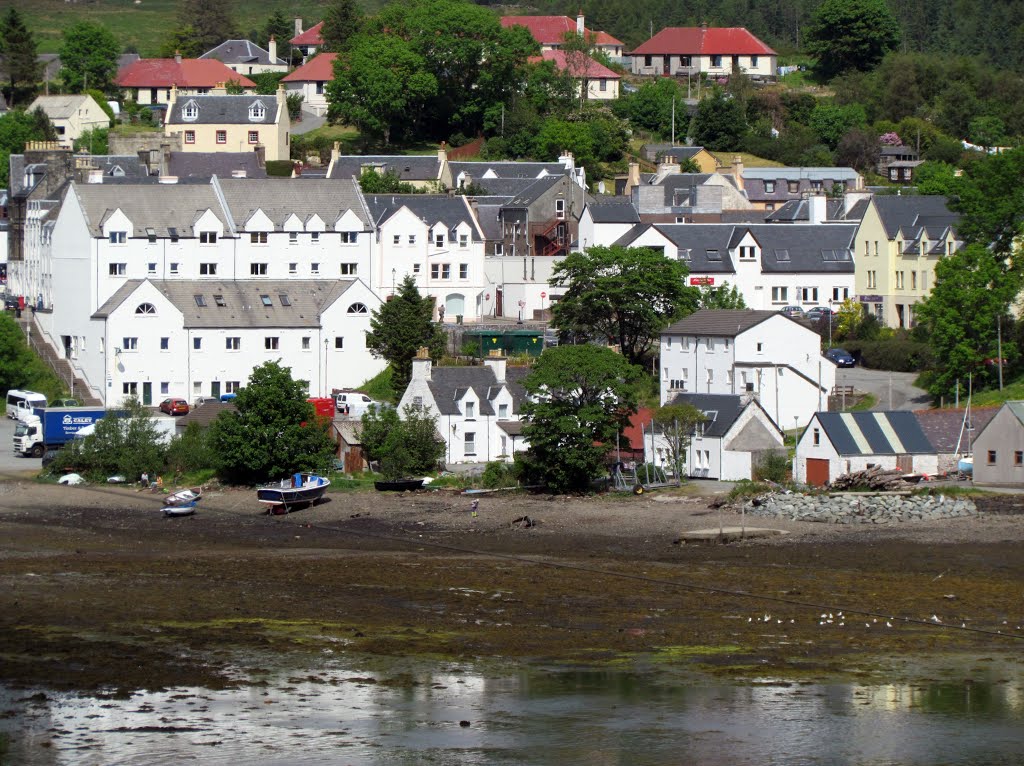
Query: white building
[
  {"x": 72, "y": 115},
  {"x": 606, "y": 220},
  {"x": 477, "y": 408},
  {"x": 311, "y": 80},
  {"x": 765, "y": 353}
]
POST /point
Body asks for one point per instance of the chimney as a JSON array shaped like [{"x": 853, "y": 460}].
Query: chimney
[
  {"x": 220, "y": 89},
  {"x": 298, "y": 27},
  {"x": 467, "y": 180},
  {"x": 442, "y": 153},
  {"x": 421, "y": 365},
  {"x": 632, "y": 178},
  {"x": 282, "y": 95},
  {"x": 272, "y": 50},
  {"x": 177, "y": 57},
  {"x": 816, "y": 208},
  {"x": 261, "y": 155},
  {"x": 737, "y": 171},
  {"x": 580, "y": 26},
  {"x": 567, "y": 160},
  {"x": 496, "y": 362},
  {"x": 668, "y": 166},
  {"x": 164, "y": 159}
]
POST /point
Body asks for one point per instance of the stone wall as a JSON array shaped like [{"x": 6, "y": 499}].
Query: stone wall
[{"x": 860, "y": 508}]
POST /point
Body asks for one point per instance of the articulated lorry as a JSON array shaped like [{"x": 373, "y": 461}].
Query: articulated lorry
[{"x": 50, "y": 428}]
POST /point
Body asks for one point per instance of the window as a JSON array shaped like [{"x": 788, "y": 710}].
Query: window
[
  {"x": 446, "y": 271},
  {"x": 809, "y": 294},
  {"x": 293, "y": 238},
  {"x": 232, "y": 386},
  {"x": 320, "y": 88},
  {"x": 257, "y": 237},
  {"x": 913, "y": 280},
  {"x": 258, "y": 269},
  {"x": 463, "y": 271},
  {"x": 711, "y": 375},
  {"x": 439, "y": 240},
  {"x": 716, "y": 61},
  {"x": 222, "y": 136},
  {"x": 560, "y": 209},
  {"x": 991, "y": 457},
  {"x": 254, "y": 136},
  {"x": 502, "y": 410},
  {"x": 293, "y": 268},
  {"x": 357, "y": 308},
  {"x": 769, "y": 187},
  {"x": 397, "y": 239},
  {"x": 840, "y": 294},
  {"x": 760, "y": 347},
  {"x": 232, "y": 344},
  {"x": 470, "y": 443},
  {"x": 817, "y": 437},
  {"x": 314, "y": 237},
  {"x": 190, "y": 111},
  {"x": 463, "y": 240},
  {"x": 816, "y": 185},
  {"x": 284, "y": 299},
  {"x": 266, "y": 300},
  {"x": 173, "y": 268},
  {"x": 603, "y": 85},
  {"x": 130, "y": 344},
  {"x": 780, "y": 294},
  {"x": 747, "y": 253},
  {"x": 416, "y": 268},
  {"x": 219, "y": 300},
  {"x": 899, "y": 280},
  {"x": 207, "y": 269},
  {"x": 165, "y": 387},
  {"x": 271, "y": 343},
  {"x": 709, "y": 344},
  {"x": 440, "y": 271},
  {"x": 197, "y": 343},
  {"x": 753, "y": 62},
  {"x": 207, "y": 238},
  {"x": 197, "y": 387},
  {"x": 349, "y": 237},
  {"x": 339, "y": 343},
  {"x": 305, "y": 343},
  {"x": 118, "y": 237},
  {"x": 412, "y": 239},
  {"x": 314, "y": 268},
  {"x": 499, "y": 248},
  {"x": 200, "y": 301},
  {"x": 130, "y": 389},
  {"x": 470, "y": 409},
  {"x": 349, "y": 269},
  {"x": 1018, "y": 458},
  {"x": 145, "y": 308},
  {"x": 151, "y": 268},
  {"x": 190, "y": 136},
  {"x": 872, "y": 280},
  {"x": 118, "y": 269},
  {"x": 794, "y": 187},
  {"x": 165, "y": 344}
]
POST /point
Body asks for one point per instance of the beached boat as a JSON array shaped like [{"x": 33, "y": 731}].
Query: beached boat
[
  {"x": 296, "y": 491},
  {"x": 398, "y": 485},
  {"x": 185, "y": 509},
  {"x": 184, "y": 496}
]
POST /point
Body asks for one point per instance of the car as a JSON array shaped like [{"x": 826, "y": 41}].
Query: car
[
  {"x": 11, "y": 303},
  {"x": 65, "y": 403},
  {"x": 841, "y": 357},
  {"x": 794, "y": 312},
  {"x": 354, "y": 403},
  {"x": 818, "y": 313},
  {"x": 174, "y": 406},
  {"x": 201, "y": 400}
]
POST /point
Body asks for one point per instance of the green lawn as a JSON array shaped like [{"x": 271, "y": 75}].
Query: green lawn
[{"x": 1011, "y": 392}]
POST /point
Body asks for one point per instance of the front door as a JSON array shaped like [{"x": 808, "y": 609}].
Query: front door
[
  {"x": 67, "y": 345},
  {"x": 215, "y": 389},
  {"x": 817, "y": 471},
  {"x": 147, "y": 394},
  {"x": 498, "y": 302}
]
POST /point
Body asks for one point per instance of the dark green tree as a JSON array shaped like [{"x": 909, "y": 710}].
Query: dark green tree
[
  {"x": 280, "y": 28},
  {"x": 88, "y": 57},
  {"x": 17, "y": 127},
  {"x": 991, "y": 198},
  {"x": 272, "y": 433},
  {"x": 851, "y": 34},
  {"x": 182, "y": 40},
  {"x": 935, "y": 178},
  {"x": 858, "y": 149},
  {"x": 831, "y": 121},
  {"x": 580, "y": 397},
  {"x": 719, "y": 123},
  {"x": 400, "y": 327},
  {"x": 372, "y": 182},
  {"x": 18, "y": 59},
  {"x": 342, "y": 21},
  {"x": 721, "y": 297},
  {"x": 403, "y": 446},
  {"x": 15, "y": 357},
  {"x": 650, "y": 108},
  {"x": 212, "y": 22},
  {"x": 626, "y": 296}
]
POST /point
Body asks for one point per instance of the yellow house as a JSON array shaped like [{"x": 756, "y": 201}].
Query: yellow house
[
  {"x": 72, "y": 115},
  {"x": 222, "y": 123},
  {"x": 899, "y": 241}
]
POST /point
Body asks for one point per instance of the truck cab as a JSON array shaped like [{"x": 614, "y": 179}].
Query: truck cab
[{"x": 50, "y": 428}]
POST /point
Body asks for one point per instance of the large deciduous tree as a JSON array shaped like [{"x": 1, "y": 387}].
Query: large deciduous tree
[
  {"x": 17, "y": 127},
  {"x": 402, "y": 326},
  {"x": 851, "y": 34},
  {"x": 273, "y": 431},
  {"x": 719, "y": 123},
  {"x": 403, "y": 446},
  {"x": 580, "y": 397},
  {"x": 624, "y": 295},
  {"x": 18, "y": 60},
  {"x": 88, "y": 57},
  {"x": 990, "y": 196}
]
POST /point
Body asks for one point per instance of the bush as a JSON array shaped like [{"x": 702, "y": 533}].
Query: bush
[
  {"x": 498, "y": 475},
  {"x": 772, "y": 466},
  {"x": 898, "y": 354},
  {"x": 191, "y": 451},
  {"x": 280, "y": 168}
]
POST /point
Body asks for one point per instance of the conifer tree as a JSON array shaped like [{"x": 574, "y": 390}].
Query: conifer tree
[{"x": 20, "y": 65}]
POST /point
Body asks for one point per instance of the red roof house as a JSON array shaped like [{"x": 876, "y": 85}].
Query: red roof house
[
  {"x": 152, "y": 79},
  {"x": 311, "y": 81},
  {"x": 709, "y": 50},
  {"x": 550, "y": 32},
  {"x": 309, "y": 41},
  {"x": 602, "y": 82}
]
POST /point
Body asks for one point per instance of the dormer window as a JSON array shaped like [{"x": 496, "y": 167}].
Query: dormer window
[
  {"x": 190, "y": 111},
  {"x": 257, "y": 111}
]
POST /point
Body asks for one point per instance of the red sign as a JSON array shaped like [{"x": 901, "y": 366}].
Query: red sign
[
  {"x": 702, "y": 280},
  {"x": 543, "y": 295}
]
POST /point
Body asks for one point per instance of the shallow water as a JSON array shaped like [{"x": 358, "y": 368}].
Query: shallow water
[{"x": 410, "y": 713}]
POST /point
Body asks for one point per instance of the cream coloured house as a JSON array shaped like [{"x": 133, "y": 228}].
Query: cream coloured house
[
  {"x": 72, "y": 115},
  {"x": 223, "y": 123},
  {"x": 898, "y": 243}
]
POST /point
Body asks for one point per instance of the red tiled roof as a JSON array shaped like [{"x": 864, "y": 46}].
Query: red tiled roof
[
  {"x": 318, "y": 69},
  {"x": 188, "y": 73},
  {"x": 551, "y": 30},
  {"x": 708, "y": 41},
  {"x": 633, "y": 433},
  {"x": 595, "y": 69},
  {"x": 603, "y": 38},
  {"x": 310, "y": 37}
]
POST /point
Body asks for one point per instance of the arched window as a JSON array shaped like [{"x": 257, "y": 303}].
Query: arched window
[
  {"x": 357, "y": 308},
  {"x": 145, "y": 308}
]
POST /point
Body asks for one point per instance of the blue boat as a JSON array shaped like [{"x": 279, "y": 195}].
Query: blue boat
[{"x": 296, "y": 491}]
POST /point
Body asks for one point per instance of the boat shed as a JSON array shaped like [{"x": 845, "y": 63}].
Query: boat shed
[{"x": 838, "y": 443}]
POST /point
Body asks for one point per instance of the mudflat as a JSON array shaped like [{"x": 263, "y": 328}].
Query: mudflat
[{"x": 101, "y": 591}]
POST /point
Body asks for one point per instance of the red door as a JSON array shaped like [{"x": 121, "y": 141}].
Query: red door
[
  {"x": 499, "y": 310},
  {"x": 817, "y": 471}
]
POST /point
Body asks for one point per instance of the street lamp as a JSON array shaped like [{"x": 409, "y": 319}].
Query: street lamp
[{"x": 327, "y": 342}]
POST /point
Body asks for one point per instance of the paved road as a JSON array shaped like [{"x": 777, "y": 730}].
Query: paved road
[
  {"x": 309, "y": 122},
  {"x": 8, "y": 460},
  {"x": 894, "y": 390}
]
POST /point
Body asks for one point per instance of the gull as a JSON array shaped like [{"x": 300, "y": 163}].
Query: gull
[
  {"x": 888, "y": 624},
  {"x": 935, "y": 618},
  {"x": 867, "y": 624},
  {"x": 767, "y": 617}
]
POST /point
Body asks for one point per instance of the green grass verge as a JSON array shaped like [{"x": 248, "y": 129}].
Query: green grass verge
[
  {"x": 380, "y": 387},
  {"x": 867, "y": 402},
  {"x": 1011, "y": 392}
]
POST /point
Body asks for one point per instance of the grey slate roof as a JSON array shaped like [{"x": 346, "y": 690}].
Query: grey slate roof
[
  {"x": 244, "y": 307},
  {"x": 613, "y": 210},
  {"x": 118, "y": 166},
  {"x": 797, "y": 174},
  {"x": 223, "y": 110},
  {"x": 533, "y": 192},
  {"x": 510, "y": 169},
  {"x": 279, "y": 198},
  {"x": 430, "y": 208},
  {"x": 721, "y": 323},
  {"x": 220, "y": 164},
  {"x": 799, "y": 210},
  {"x": 406, "y": 167},
  {"x": 241, "y": 52},
  {"x": 158, "y": 206},
  {"x": 504, "y": 187},
  {"x": 945, "y": 427},
  {"x": 721, "y": 410},
  {"x": 449, "y": 384},
  {"x": 913, "y": 212},
  {"x": 490, "y": 226},
  {"x": 875, "y": 433}
]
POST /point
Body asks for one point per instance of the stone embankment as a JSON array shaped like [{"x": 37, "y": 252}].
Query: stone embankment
[{"x": 860, "y": 508}]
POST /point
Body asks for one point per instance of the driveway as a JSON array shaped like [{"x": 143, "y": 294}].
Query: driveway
[
  {"x": 894, "y": 390},
  {"x": 308, "y": 123}
]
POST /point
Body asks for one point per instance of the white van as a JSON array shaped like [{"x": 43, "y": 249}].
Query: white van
[{"x": 23, "y": 402}]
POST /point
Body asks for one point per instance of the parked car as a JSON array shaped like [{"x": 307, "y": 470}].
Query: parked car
[
  {"x": 201, "y": 400},
  {"x": 353, "y": 403},
  {"x": 11, "y": 303},
  {"x": 818, "y": 313},
  {"x": 793, "y": 311},
  {"x": 174, "y": 406},
  {"x": 841, "y": 357},
  {"x": 65, "y": 403}
]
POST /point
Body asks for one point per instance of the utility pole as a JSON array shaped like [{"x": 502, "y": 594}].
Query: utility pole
[
  {"x": 999, "y": 348},
  {"x": 673, "y": 120}
]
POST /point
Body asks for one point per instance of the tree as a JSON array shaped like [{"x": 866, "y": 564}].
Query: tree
[
  {"x": 677, "y": 422},
  {"x": 280, "y": 28},
  {"x": 402, "y": 326},
  {"x": 987, "y": 131},
  {"x": 624, "y": 295},
  {"x": 719, "y": 123},
  {"x": 212, "y": 22},
  {"x": 372, "y": 182},
  {"x": 93, "y": 141},
  {"x": 182, "y": 40},
  {"x": 556, "y": 136},
  {"x": 721, "y": 297},
  {"x": 88, "y": 57},
  {"x": 580, "y": 397},
  {"x": 858, "y": 149},
  {"x": 20, "y": 66},
  {"x": 991, "y": 198},
  {"x": 16, "y": 128},
  {"x": 15, "y": 357},
  {"x": 831, "y": 121},
  {"x": 851, "y": 34},
  {"x": 963, "y": 340},
  {"x": 935, "y": 178},
  {"x": 273, "y": 431},
  {"x": 403, "y": 446},
  {"x": 342, "y": 21}
]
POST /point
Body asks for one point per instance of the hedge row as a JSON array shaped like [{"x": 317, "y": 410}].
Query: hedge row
[{"x": 896, "y": 354}]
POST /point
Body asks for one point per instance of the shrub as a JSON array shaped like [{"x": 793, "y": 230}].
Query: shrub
[
  {"x": 899, "y": 354},
  {"x": 772, "y": 466},
  {"x": 745, "y": 489},
  {"x": 498, "y": 475},
  {"x": 280, "y": 168},
  {"x": 191, "y": 451}
]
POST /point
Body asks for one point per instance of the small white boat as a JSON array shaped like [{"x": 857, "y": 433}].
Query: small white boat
[
  {"x": 184, "y": 497},
  {"x": 186, "y": 509}
]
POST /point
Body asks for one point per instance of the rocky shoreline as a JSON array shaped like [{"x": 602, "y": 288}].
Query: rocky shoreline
[{"x": 860, "y": 507}]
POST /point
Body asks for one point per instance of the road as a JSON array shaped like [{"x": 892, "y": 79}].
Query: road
[
  {"x": 9, "y": 462},
  {"x": 894, "y": 390}
]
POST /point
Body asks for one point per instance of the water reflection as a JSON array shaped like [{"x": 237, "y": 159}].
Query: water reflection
[{"x": 409, "y": 714}]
